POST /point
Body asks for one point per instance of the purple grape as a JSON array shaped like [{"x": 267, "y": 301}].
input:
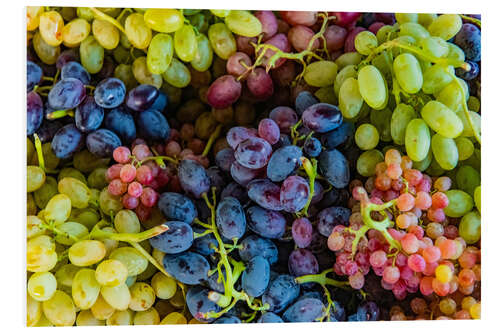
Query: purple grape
[
  {"x": 312, "y": 147},
  {"x": 334, "y": 167},
  {"x": 266, "y": 223},
  {"x": 471, "y": 74},
  {"x": 305, "y": 310},
  {"x": 302, "y": 232},
  {"x": 177, "y": 207},
  {"x": 469, "y": 40},
  {"x": 253, "y": 245},
  {"x": 223, "y": 92},
  {"x": 88, "y": 115},
  {"x": 34, "y": 75},
  {"x": 110, "y": 93},
  {"x": 282, "y": 291},
  {"x": 243, "y": 175},
  {"x": 367, "y": 311},
  {"x": 255, "y": 277},
  {"x": 217, "y": 178},
  {"x": 304, "y": 100},
  {"x": 283, "y": 162},
  {"x": 67, "y": 56},
  {"x": 187, "y": 267},
  {"x": 331, "y": 217},
  {"x": 66, "y": 94},
  {"x": 230, "y": 218},
  {"x": 193, "y": 178},
  {"x": 75, "y": 70},
  {"x": 67, "y": 141},
  {"x": 178, "y": 238},
  {"x": 387, "y": 18},
  {"x": 198, "y": 303},
  {"x": 235, "y": 190},
  {"x": 253, "y": 153},
  {"x": 318, "y": 192},
  {"x": 141, "y": 97},
  {"x": 269, "y": 23},
  {"x": 121, "y": 122},
  {"x": 270, "y": 317},
  {"x": 260, "y": 84},
  {"x": 34, "y": 112},
  {"x": 265, "y": 193},
  {"x": 238, "y": 134},
  {"x": 269, "y": 130},
  {"x": 302, "y": 262},
  {"x": 224, "y": 158},
  {"x": 294, "y": 194},
  {"x": 102, "y": 142},
  {"x": 285, "y": 117},
  {"x": 322, "y": 117}
]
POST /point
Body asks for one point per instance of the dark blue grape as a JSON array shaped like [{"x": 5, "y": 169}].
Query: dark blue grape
[
  {"x": 304, "y": 100},
  {"x": 214, "y": 283},
  {"x": 178, "y": 238},
  {"x": 75, "y": 70},
  {"x": 318, "y": 192},
  {"x": 367, "y": 311},
  {"x": 141, "y": 97},
  {"x": 188, "y": 267},
  {"x": 121, "y": 122},
  {"x": 294, "y": 194},
  {"x": 34, "y": 112},
  {"x": 334, "y": 167},
  {"x": 34, "y": 75},
  {"x": 224, "y": 158},
  {"x": 67, "y": 141},
  {"x": 337, "y": 312},
  {"x": 67, "y": 56},
  {"x": 228, "y": 320},
  {"x": 331, "y": 217},
  {"x": 102, "y": 142},
  {"x": 254, "y": 245},
  {"x": 198, "y": 303},
  {"x": 230, "y": 218},
  {"x": 471, "y": 74},
  {"x": 338, "y": 136},
  {"x": 217, "y": 178},
  {"x": 312, "y": 147},
  {"x": 88, "y": 115},
  {"x": 305, "y": 310},
  {"x": 152, "y": 125},
  {"x": 235, "y": 190},
  {"x": 48, "y": 129},
  {"x": 283, "y": 141},
  {"x": 330, "y": 198},
  {"x": 270, "y": 317},
  {"x": 66, "y": 94},
  {"x": 178, "y": 207},
  {"x": 110, "y": 93},
  {"x": 193, "y": 178},
  {"x": 283, "y": 162},
  {"x": 322, "y": 117},
  {"x": 255, "y": 277},
  {"x": 160, "y": 103},
  {"x": 302, "y": 262},
  {"x": 469, "y": 40},
  {"x": 282, "y": 291},
  {"x": 265, "y": 193},
  {"x": 204, "y": 245},
  {"x": 265, "y": 222}
]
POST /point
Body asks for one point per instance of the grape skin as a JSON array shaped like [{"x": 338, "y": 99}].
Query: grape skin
[
  {"x": 230, "y": 218},
  {"x": 265, "y": 193},
  {"x": 266, "y": 223},
  {"x": 304, "y": 310},
  {"x": 188, "y": 267},
  {"x": 281, "y": 292},
  {"x": 178, "y": 238},
  {"x": 255, "y": 277},
  {"x": 283, "y": 162},
  {"x": 178, "y": 207}
]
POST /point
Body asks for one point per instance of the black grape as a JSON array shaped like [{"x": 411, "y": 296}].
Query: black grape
[
  {"x": 160, "y": 103},
  {"x": 337, "y": 312},
  {"x": 322, "y": 117},
  {"x": 187, "y": 267},
  {"x": 204, "y": 245},
  {"x": 34, "y": 75},
  {"x": 121, "y": 122},
  {"x": 110, "y": 93},
  {"x": 178, "y": 238},
  {"x": 302, "y": 262},
  {"x": 198, "y": 303},
  {"x": 152, "y": 125},
  {"x": 338, "y": 136},
  {"x": 178, "y": 207},
  {"x": 217, "y": 178},
  {"x": 332, "y": 216},
  {"x": 228, "y": 320},
  {"x": 469, "y": 40},
  {"x": 367, "y": 311},
  {"x": 88, "y": 115},
  {"x": 283, "y": 162},
  {"x": 67, "y": 141},
  {"x": 67, "y": 56},
  {"x": 214, "y": 283},
  {"x": 66, "y": 94},
  {"x": 75, "y": 70},
  {"x": 305, "y": 310},
  {"x": 230, "y": 218},
  {"x": 270, "y": 317},
  {"x": 224, "y": 158},
  {"x": 48, "y": 129},
  {"x": 255, "y": 277},
  {"x": 34, "y": 112},
  {"x": 282, "y": 291},
  {"x": 334, "y": 167},
  {"x": 102, "y": 142},
  {"x": 235, "y": 190},
  {"x": 193, "y": 178},
  {"x": 265, "y": 222},
  {"x": 254, "y": 245},
  {"x": 141, "y": 97},
  {"x": 304, "y": 100},
  {"x": 312, "y": 147},
  {"x": 265, "y": 193}
]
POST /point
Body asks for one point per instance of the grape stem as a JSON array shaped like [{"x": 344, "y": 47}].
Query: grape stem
[
  {"x": 98, "y": 233},
  {"x": 158, "y": 158},
  {"x": 39, "y": 152},
  {"x": 311, "y": 168},
  {"x": 100, "y": 15},
  {"x": 150, "y": 258},
  {"x": 60, "y": 114},
  {"x": 211, "y": 140},
  {"x": 471, "y": 19}
]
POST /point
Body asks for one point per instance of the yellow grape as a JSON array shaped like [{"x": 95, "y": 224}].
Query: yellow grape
[
  {"x": 465, "y": 148},
  {"x": 91, "y": 55},
  {"x": 163, "y": 286},
  {"x": 425, "y": 19},
  {"x": 455, "y": 52},
  {"x": 177, "y": 74},
  {"x": 86, "y": 318},
  {"x": 138, "y": 33},
  {"x": 65, "y": 274},
  {"x": 451, "y": 95},
  {"x": 42, "y": 285},
  {"x": 204, "y": 54},
  {"x": 33, "y": 311},
  {"x": 220, "y": 12},
  {"x": 160, "y": 53},
  {"x": 110, "y": 244},
  {"x": 476, "y": 123},
  {"x": 35, "y": 178},
  {"x": 174, "y": 318},
  {"x": 414, "y": 30},
  {"x": 86, "y": 252},
  {"x": 185, "y": 43},
  {"x": 47, "y": 53},
  {"x": 408, "y": 73},
  {"x": 118, "y": 297},
  {"x": 373, "y": 87},
  {"x": 435, "y": 46},
  {"x": 71, "y": 172},
  {"x": 445, "y": 26},
  {"x": 349, "y": 58},
  {"x": 222, "y": 40},
  {"x": 85, "y": 288},
  {"x": 143, "y": 75},
  {"x": 320, "y": 73},
  {"x": 350, "y": 99},
  {"x": 85, "y": 13},
  {"x": 441, "y": 119},
  {"x": 417, "y": 139},
  {"x": 402, "y": 18},
  {"x": 142, "y": 296},
  {"x": 126, "y": 221},
  {"x": 148, "y": 317},
  {"x": 135, "y": 262},
  {"x": 60, "y": 309},
  {"x": 365, "y": 42},
  {"x": 111, "y": 273},
  {"x": 445, "y": 151},
  {"x": 75, "y": 32},
  {"x": 34, "y": 228},
  {"x": 51, "y": 26},
  {"x": 76, "y": 190},
  {"x": 243, "y": 23},
  {"x": 436, "y": 78},
  {"x": 164, "y": 20},
  {"x": 58, "y": 209},
  {"x": 31, "y": 208},
  {"x": 106, "y": 34},
  {"x": 120, "y": 318},
  {"x": 383, "y": 33},
  {"x": 345, "y": 73},
  {"x": 33, "y": 17},
  {"x": 108, "y": 202},
  {"x": 101, "y": 309},
  {"x": 87, "y": 217}
]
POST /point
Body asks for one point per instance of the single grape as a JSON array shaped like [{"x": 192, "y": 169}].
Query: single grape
[
  {"x": 188, "y": 267},
  {"x": 282, "y": 291},
  {"x": 102, "y": 142},
  {"x": 253, "y": 153},
  {"x": 110, "y": 93},
  {"x": 141, "y": 97},
  {"x": 67, "y": 141},
  {"x": 75, "y": 70},
  {"x": 177, "y": 207},
  {"x": 199, "y": 304},
  {"x": 334, "y": 166},
  {"x": 34, "y": 112},
  {"x": 255, "y": 277},
  {"x": 285, "y": 117},
  {"x": 265, "y": 193},
  {"x": 266, "y": 223},
  {"x": 88, "y": 115},
  {"x": 283, "y": 162},
  {"x": 178, "y": 238},
  {"x": 230, "y": 218},
  {"x": 331, "y": 217},
  {"x": 305, "y": 310},
  {"x": 152, "y": 125},
  {"x": 302, "y": 262},
  {"x": 254, "y": 245},
  {"x": 34, "y": 75},
  {"x": 121, "y": 122},
  {"x": 66, "y": 94},
  {"x": 294, "y": 193},
  {"x": 193, "y": 178}
]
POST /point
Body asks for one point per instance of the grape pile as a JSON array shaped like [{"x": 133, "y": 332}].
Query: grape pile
[{"x": 232, "y": 166}]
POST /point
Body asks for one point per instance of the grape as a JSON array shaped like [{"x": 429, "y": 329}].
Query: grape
[
  {"x": 307, "y": 18},
  {"x": 302, "y": 262},
  {"x": 304, "y": 310},
  {"x": 265, "y": 193},
  {"x": 322, "y": 117},
  {"x": 42, "y": 285},
  {"x": 270, "y": 317},
  {"x": 76, "y": 190},
  {"x": 415, "y": 30},
  {"x": 302, "y": 232},
  {"x": 260, "y": 84},
  {"x": 331, "y": 217},
  {"x": 185, "y": 43},
  {"x": 222, "y": 40},
  {"x": 445, "y": 26},
  {"x": 282, "y": 291},
  {"x": 321, "y": 73},
  {"x": 110, "y": 93},
  {"x": 85, "y": 288},
  {"x": 435, "y": 78},
  {"x": 300, "y": 36},
  {"x": 350, "y": 98},
  {"x": 243, "y": 23},
  {"x": 135, "y": 262},
  {"x": 141, "y": 97},
  {"x": 470, "y": 227},
  {"x": 283, "y": 162},
  {"x": 121, "y": 122},
  {"x": 117, "y": 297},
  {"x": 224, "y": 158},
  {"x": 235, "y": 64},
  {"x": 243, "y": 175},
  {"x": 304, "y": 100},
  {"x": 137, "y": 31},
  {"x": 34, "y": 112},
  {"x": 142, "y": 296},
  {"x": 204, "y": 54},
  {"x": 152, "y": 125},
  {"x": 230, "y": 218},
  {"x": 312, "y": 147},
  {"x": 102, "y": 142},
  {"x": 198, "y": 303},
  {"x": 177, "y": 74},
  {"x": 408, "y": 73},
  {"x": 203, "y": 245},
  {"x": 47, "y": 53},
  {"x": 444, "y": 151},
  {"x": 253, "y": 153},
  {"x": 111, "y": 273},
  {"x": 366, "y": 41},
  {"x": 223, "y": 92},
  {"x": 228, "y": 320},
  {"x": 178, "y": 238},
  {"x": 268, "y": 22},
  {"x": 163, "y": 20},
  {"x": 338, "y": 136},
  {"x": 50, "y": 27},
  {"x": 372, "y": 87},
  {"x": 193, "y": 178},
  {"x": 417, "y": 139},
  {"x": 66, "y": 94},
  {"x": 366, "y": 137},
  {"x": 86, "y": 252},
  {"x": 468, "y": 179},
  {"x": 460, "y": 203},
  {"x": 67, "y": 141},
  {"x": 367, "y": 311},
  {"x": 160, "y": 53},
  {"x": 333, "y": 165},
  {"x": 91, "y": 55},
  {"x": 441, "y": 119},
  {"x": 105, "y": 33},
  {"x": 59, "y": 309},
  {"x": 188, "y": 267},
  {"x": 34, "y": 75},
  {"x": 471, "y": 74},
  {"x": 88, "y": 115},
  {"x": 177, "y": 207},
  {"x": 255, "y": 277},
  {"x": 469, "y": 40},
  {"x": 266, "y": 223},
  {"x": 294, "y": 193},
  {"x": 253, "y": 245}
]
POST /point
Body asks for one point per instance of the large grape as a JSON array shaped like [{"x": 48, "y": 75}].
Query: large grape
[
  {"x": 204, "y": 245},
  {"x": 230, "y": 218},
  {"x": 188, "y": 267},
  {"x": 373, "y": 87},
  {"x": 469, "y": 39},
  {"x": 238, "y": 134},
  {"x": 255, "y": 277},
  {"x": 193, "y": 178},
  {"x": 243, "y": 175},
  {"x": 67, "y": 141},
  {"x": 338, "y": 136},
  {"x": 322, "y": 117},
  {"x": 266, "y": 223},
  {"x": 283, "y": 162},
  {"x": 282, "y": 291},
  {"x": 305, "y": 310},
  {"x": 270, "y": 317},
  {"x": 442, "y": 120},
  {"x": 294, "y": 193},
  {"x": 66, "y": 94},
  {"x": 102, "y": 142},
  {"x": 110, "y": 93},
  {"x": 152, "y": 125},
  {"x": 88, "y": 115},
  {"x": 34, "y": 112},
  {"x": 253, "y": 245},
  {"x": 223, "y": 92},
  {"x": 417, "y": 139},
  {"x": 265, "y": 193},
  {"x": 408, "y": 73},
  {"x": 334, "y": 166},
  {"x": 285, "y": 117},
  {"x": 253, "y": 153},
  {"x": 121, "y": 122},
  {"x": 199, "y": 305},
  {"x": 178, "y": 238},
  {"x": 177, "y": 207},
  {"x": 444, "y": 151}
]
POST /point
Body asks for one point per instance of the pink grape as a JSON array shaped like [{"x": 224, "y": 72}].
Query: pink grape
[
  {"x": 416, "y": 262},
  {"x": 279, "y": 41},
  {"x": 439, "y": 200},
  {"x": 223, "y": 92},
  {"x": 113, "y": 172},
  {"x": 423, "y": 200},
  {"x": 127, "y": 173},
  {"x": 130, "y": 202},
  {"x": 357, "y": 280},
  {"x": 269, "y": 130},
  {"x": 391, "y": 274},
  {"x": 378, "y": 258},
  {"x": 405, "y": 202},
  {"x": 121, "y": 154},
  {"x": 335, "y": 37},
  {"x": 375, "y": 26},
  {"x": 237, "y": 65},
  {"x": 172, "y": 149},
  {"x": 260, "y": 84},
  {"x": 243, "y": 44},
  {"x": 117, "y": 187},
  {"x": 141, "y": 151},
  {"x": 410, "y": 243},
  {"x": 345, "y": 18},
  {"x": 134, "y": 189},
  {"x": 269, "y": 23},
  {"x": 285, "y": 117},
  {"x": 307, "y": 18},
  {"x": 300, "y": 36},
  {"x": 149, "y": 197}
]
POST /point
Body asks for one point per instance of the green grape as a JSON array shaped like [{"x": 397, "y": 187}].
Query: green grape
[
  {"x": 451, "y": 95},
  {"x": 148, "y": 317},
  {"x": 222, "y": 40},
  {"x": 367, "y": 161},
  {"x": 35, "y": 178},
  {"x": 43, "y": 322},
  {"x": 106, "y": 34},
  {"x": 30, "y": 150},
  {"x": 425, "y": 19},
  {"x": 30, "y": 205},
  {"x": 86, "y": 162},
  {"x": 476, "y": 122},
  {"x": 101, "y": 309},
  {"x": 406, "y": 17},
  {"x": 74, "y": 32},
  {"x": 97, "y": 178},
  {"x": 47, "y": 54},
  {"x": 470, "y": 227},
  {"x": 243, "y": 23},
  {"x": 76, "y": 190},
  {"x": 455, "y": 52},
  {"x": 189, "y": 12},
  {"x": 326, "y": 95},
  {"x": 373, "y": 87},
  {"x": 383, "y": 33},
  {"x": 164, "y": 20},
  {"x": 477, "y": 198},
  {"x": 417, "y": 139},
  {"x": 85, "y": 13},
  {"x": 164, "y": 287},
  {"x": 51, "y": 160},
  {"x": 406, "y": 40},
  {"x": 345, "y": 73},
  {"x": 160, "y": 53},
  {"x": 436, "y": 78},
  {"x": 40, "y": 254},
  {"x": 60, "y": 309},
  {"x": 435, "y": 46},
  {"x": 474, "y": 104},
  {"x": 468, "y": 179},
  {"x": 111, "y": 273},
  {"x": 58, "y": 209},
  {"x": 204, "y": 54},
  {"x": 138, "y": 32},
  {"x": 50, "y": 27},
  {"x": 135, "y": 262},
  {"x": 205, "y": 125},
  {"x": 350, "y": 99},
  {"x": 185, "y": 43},
  {"x": 120, "y": 318},
  {"x": 425, "y": 163},
  {"x": 446, "y": 26},
  {"x": 414, "y": 30},
  {"x": 91, "y": 55},
  {"x": 86, "y": 252},
  {"x": 110, "y": 244},
  {"x": 200, "y": 21},
  {"x": 381, "y": 119},
  {"x": 86, "y": 318},
  {"x": 73, "y": 229},
  {"x": 65, "y": 275},
  {"x": 424, "y": 65},
  {"x": 33, "y": 226},
  {"x": 87, "y": 217},
  {"x": 33, "y": 311},
  {"x": 445, "y": 151},
  {"x": 460, "y": 203},
  {"x": 400, "y": 118},
  {"x": 143, "y": 75},
  {"x": 42, "y": 285},
  {"x": 125, "y": 73},
  {"x": 127, "y": 222},
  {"x": 177, "y": 74},
  {"x": 122, "y": 56},
  {"x": 142, "y": 296},
  {"x": 442, "y": 120},
  {"x": 365, "y": 42},
  {"x": 45, "y": 192},
  {"x": 383, "y": 63},
  {"x": 366, "y": 137},
  {"x": 118, "y": 297},
  {"x": 408, "y": 73},
  {"x": 110, "y": 204},
  {"x": 85, "y": 288},
  {"x": 349, "y": 58},
  {"x": 465, "y": 148},
  {"x": 220, "y": 12},
  {"x": 320, "y": 73},
  {"x": 73, "y": 173}
]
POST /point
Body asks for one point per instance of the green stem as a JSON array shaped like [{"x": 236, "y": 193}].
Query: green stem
[
  {"x": 100, "y": 15},
  {"x": 471, "y": 19},
  {"x": 60, "y": 114},
  {"x": 39, "y": 152},
  {"x": 322, "y": 280},
  {"x": 311, "y": 171},
  {"x": 156, "y": 158},
  {"x": 150, "y": 258},
  {"x": 97, "y": 233},
  {"x": 211, "y": 140},
  {"x": 466, "y": 109},
  {"x": 56, "y": 231}
]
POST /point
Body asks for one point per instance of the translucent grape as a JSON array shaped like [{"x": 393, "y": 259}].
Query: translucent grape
[
  {"x": 470, "y": 227},
  {"x": 441, "y": 119},
  {"x": 33, "y": 17},
  {"x": 366, "y": 137},
  {"x": 135, "y": 262},
  {"x": 42, "y": 286},
  {"x": 408, "y": 73},
  {"x": 243, "y": 23},
  {"x": 47, "y": 53},
  {"x": 91, "y": 55},
  {"x": 372, "y": 87},
  {"x": 435, "y": 78},
  {"x": 142, "y": 296},
  {"x": 86, "y": 252},
  {"x": 111, "y": 273},
  {"x": 350, "y": 99},
  {"x": 204, "y": 54},
  {"x": 417, "y": 139},
  {"x": 138, "y": 32},
  {"x": 445, "y": 151},
  {"x": 164, "y": 20},
  {"x": 445, "y": 26},
  {"x": 185, "y": 43},
  {"x": 75, "y": 31},
  {"x": 414, "y": 30},
  {"x": 60, "y": 309},
  {"x": 50, "y": 27},
  {"x": 118, "y": 297},
  {"x": 460, "y": 203},
  {"x": 143, "y": 75},
  {"x": 85, "y": 288},
  {"x": 365, "y": 42},
  {"x": 321, "y": 73},
  {"x": 367, "y": 161},
  {"x": 222, "y": 40},
  {"x": 106, "y": 34}
]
